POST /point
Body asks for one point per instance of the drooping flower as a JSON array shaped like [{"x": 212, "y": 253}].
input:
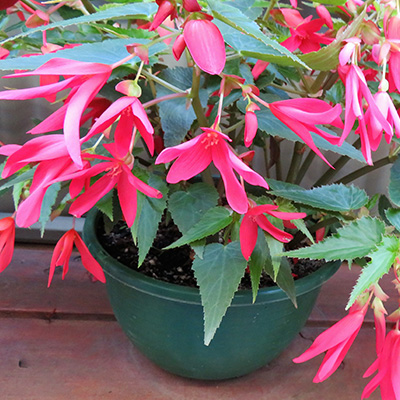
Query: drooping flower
[
  {"x": 117, "y": 174},
  {"x": 132, "y": 114},
  {"x": 303, "y": 115},
  {"x": 372, "y": 129},
  {"x": 4, "y": 53},
  {"x": 166, "y": 9},
  {"x": 7, "y": 238},
  {"x": 255, "y": 218},
  {"x": 392, "y": 35},
  {"x": 336, "y": 341},
  {"x": 195, "y": 155},
  {"x": 62, "y": 254},
  {"x": 84, "y": 78},
  {"x": 388, "y": 369},
  {"x": 7, "y": 3},
  {"x": 251, "y": 124},
  {"x": 191, "y": 5},
  {"x": 206, "y": 45}
]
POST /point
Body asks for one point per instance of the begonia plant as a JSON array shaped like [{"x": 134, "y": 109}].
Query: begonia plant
[{"x": 218, "y": 115}]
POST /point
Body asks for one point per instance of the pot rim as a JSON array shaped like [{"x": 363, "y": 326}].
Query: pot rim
[{"x": 174, "y": 292}]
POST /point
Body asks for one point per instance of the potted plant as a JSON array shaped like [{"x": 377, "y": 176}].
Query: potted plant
[{"x": 216, "y": 158}]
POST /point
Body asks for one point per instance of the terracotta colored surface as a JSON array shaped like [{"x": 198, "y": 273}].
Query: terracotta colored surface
[
  {"x": 23, "y": 287},
  {"x": 78, "y": 357},
  {"x": 85, "y": 360}
]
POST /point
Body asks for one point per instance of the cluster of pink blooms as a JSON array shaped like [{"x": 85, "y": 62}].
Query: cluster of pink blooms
[{"x": 77, "y": 164}]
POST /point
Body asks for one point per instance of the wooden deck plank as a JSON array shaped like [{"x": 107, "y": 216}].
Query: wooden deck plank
[
  {"x": 23, "y": 288},
  {"x": 85, "y": 360}
]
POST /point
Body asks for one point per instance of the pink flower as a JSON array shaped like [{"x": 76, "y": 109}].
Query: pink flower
[
  {"x": 132, "y": 114},
  {"x": 336, "y": 342},
  {"x": 84, "y": 78},
  {"x": 324, "y": 14},
  {"x": 393, "y": 37},
  {"x": 7, "y": 237},
  {"x": 191, "y": 5},
  {"x": 7, "y": 3},
  {"x": 388, "y": 367},
  {"x": 305, "y": 38},
  {"x": 4, "y": 53},
  {"x": 251, "y": 124},
  {"x": 357, "y": 90},
  {"x": 206, "y": 45},
  {"x": 196, "y": 154},
  {"x": 371, "y": 130},
  {"x": 62, "y": 254},
  {"x": 165, "y": 9},
  {"x": 255, "y": 218},
  {"x": 302, "y": 116},
  {"x": 119, "y": 174}
]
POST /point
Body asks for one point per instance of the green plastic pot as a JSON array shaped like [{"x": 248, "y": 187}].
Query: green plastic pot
[{"x": 165, "y": 321}]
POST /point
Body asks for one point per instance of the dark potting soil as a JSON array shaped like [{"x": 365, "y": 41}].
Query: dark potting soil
[{"x": 174, "y": 266}]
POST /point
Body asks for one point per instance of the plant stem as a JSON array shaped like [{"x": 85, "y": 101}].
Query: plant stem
[
  {"x": 233, "y": 127},
  {"x": 164, "y": 98},
  {"x": 89, "y": 6},
  {"x": 194, "y": 95},
  {"x": 160, "y": 81},
  {"x": 304, "y": 167},
  {"x": 270, "y": 7},
  {"x": 294, "y": 91},
  {"x": 317, "y": 84},
  {"x": 201, "y": 118},
  {"x": 367, "y": 169},
  {"x": 296, "y": 160},
  {"x": 337, "y": 166}
]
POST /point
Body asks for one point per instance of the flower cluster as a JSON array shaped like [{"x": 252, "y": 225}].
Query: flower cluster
[{"x": 256, "y": 106}]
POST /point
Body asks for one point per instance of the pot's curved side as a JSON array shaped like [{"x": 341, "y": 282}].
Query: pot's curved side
[{"x": 165, "y": 321}]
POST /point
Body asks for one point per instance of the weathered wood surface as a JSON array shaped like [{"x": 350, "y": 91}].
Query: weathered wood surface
[{"x": 63, "y": 343}]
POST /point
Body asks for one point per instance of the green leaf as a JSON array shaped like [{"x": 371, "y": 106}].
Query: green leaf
[
  {"x": 210, "y": 223},
  {"x": 381, "y": 261},
  {"x": 394, "y": 183},
  {"x": 106, "y": 52},
  {"x": 284, "y": 280},
  {"x": 135, "y": 11},
  {"x": 218, "y": 275},
  {"x": 48, "y": 202},
  {"x": 24, "y": 176},
  {"x": 336, "y": 197},
  {"x": 285, "y": 206},
  {"x": 275, "y": 248},
  {"x": 268, "y": 123},
  {"x": 16, "y": 193},
  {"x": 106, "y": 205},
  {"x": 393, "y": 215},
  {"x": 177, "y": 115},
  {"x": 383, "y": 205},
  {"x": 258, "y": 259},
  {"x": 188, "y": 207},
  {"x": 357, "y": 239},
  {"x": 150, "y": 216},
  {"x": 265, "y": 49}
]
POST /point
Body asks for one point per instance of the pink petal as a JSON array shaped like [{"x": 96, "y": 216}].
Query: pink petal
[
  {"x": 76, "y": 107},
  {"x": 248, "y": 236},
  {"x": 178, "y": 47},
  {"x": 235, "y": 193},
  {"x": 267, "y": 226},
  {"x": 110, "y": 115},
  {"x": 140, "y": 185},
  {"x": 333, "y": 336},
  {"x": 259, "y": 68},
  {"x": 53, "y": 122},
  {"x": 143, "y": 124},
  {"x": 250, "y": 128},
  {"x": 127, "y": 199},
  {"x": 32, "y": 93},
  {"x": 65, "y": 67},
  {"x": 92, "y": 195},
  {"x": 242, "y": 169},
  {"x": 165, "y": 9},
  {"x": 170, "y": 153},
  {"x": 206, "y": 45},
  {"x": 191, "y": 5},
  {"x": 189, "y": 163},
  {"x": 88, "y": 260},
  {"x": 60, "y": 249}
]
